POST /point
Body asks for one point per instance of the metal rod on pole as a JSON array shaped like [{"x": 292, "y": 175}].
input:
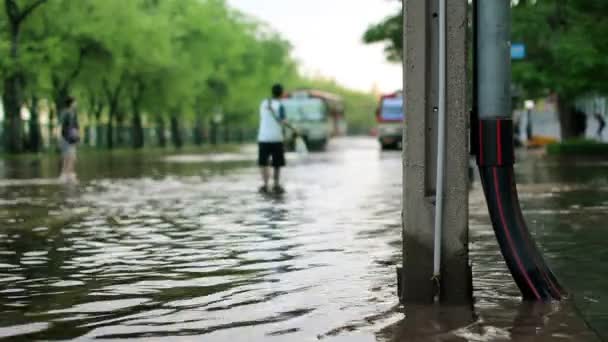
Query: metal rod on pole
[
  {"x": 494, "y": 58},
  {"x": 440, "y": 141}
]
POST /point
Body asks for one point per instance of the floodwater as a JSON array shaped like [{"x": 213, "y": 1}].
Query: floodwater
[{"x": 182, "y": 247}]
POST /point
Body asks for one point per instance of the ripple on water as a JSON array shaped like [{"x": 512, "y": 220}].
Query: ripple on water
[
  {"x": 23, "y": 329},
  {"x": 183, "y": 254}
]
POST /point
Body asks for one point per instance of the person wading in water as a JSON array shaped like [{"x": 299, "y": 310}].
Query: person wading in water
[
  {"x": 271, "y": 150},
  {"x": 69, "y": 137}
]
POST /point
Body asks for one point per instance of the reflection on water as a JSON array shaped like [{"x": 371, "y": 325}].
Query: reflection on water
[{"x": 155, "y": 247}]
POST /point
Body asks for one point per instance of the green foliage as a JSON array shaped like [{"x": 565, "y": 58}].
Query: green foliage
[
  {"x": 4, "y": 44},
  {"x": 146, "y": 60},
  {"x": 390, "y": 32},
  {"x": 566, "y": 43},
  {"x": 578, "y": 147},
  {"x": 188, "y": 56}
]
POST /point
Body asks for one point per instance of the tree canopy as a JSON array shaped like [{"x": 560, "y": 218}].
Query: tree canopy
[
  {"x": 137, "y": 61},
  {"x": 566, "y": 45},
  {"x": 390, "y": 32}
]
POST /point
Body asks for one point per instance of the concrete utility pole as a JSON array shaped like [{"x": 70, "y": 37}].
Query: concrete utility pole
[{"x": 421, "y": 84}]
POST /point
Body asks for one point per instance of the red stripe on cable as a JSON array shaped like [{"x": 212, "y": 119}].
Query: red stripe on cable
[
  {"x": 499, "y": 142},
  {"x": 480, "y": 143},
  {"x": 529, "y": 243},
  {"x": 508, "y": 235}
]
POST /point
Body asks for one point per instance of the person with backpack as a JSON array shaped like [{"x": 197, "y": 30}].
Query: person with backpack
[
  {"x": 69, "y": 139},
  {"x": 271, "y": 150}
]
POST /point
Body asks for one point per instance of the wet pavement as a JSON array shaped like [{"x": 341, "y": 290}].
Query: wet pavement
[{"x": 182, "y": 247}]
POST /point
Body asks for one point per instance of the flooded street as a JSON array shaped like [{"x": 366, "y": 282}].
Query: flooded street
[{"x": 183, "y": 247}]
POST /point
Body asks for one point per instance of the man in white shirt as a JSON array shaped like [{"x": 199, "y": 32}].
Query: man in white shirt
[{"x": 270, "y": 139}]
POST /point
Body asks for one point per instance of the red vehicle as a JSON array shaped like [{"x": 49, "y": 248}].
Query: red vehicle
[{"x": 390, "y": 118}]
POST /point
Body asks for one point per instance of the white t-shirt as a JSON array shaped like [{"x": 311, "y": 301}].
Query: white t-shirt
[{"x": 270, "y": 130}]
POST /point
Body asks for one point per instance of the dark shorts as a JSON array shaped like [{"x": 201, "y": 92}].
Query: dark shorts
[{"x": 271, "y": 150}]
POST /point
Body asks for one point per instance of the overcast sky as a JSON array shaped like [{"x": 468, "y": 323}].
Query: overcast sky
[{"x": 326, "y": 36}]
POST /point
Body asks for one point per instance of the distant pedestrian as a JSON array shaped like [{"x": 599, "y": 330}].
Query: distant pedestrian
[
  {"x": 68, "y": 140},
  {"x": 601, "y": 125},
  {"x": 271, "y": 150}
]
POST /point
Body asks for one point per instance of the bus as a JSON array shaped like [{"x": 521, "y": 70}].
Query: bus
[
  {"x": 390, "y": 117},
  {"x": 318, "y": 116}
]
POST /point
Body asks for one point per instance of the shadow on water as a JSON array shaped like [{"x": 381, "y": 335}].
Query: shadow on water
[
  {"x": 44, "y": 168},
  {"x": 182, "y": 246},
  {"x": 514, "y": 322}
]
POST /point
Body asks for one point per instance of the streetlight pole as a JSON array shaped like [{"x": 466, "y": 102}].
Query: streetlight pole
[{"x": 529, "y": 106}]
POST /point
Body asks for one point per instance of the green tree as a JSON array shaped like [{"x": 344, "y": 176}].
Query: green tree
[
  {"x": 58, "y": 44},
  {"x": 16, "y": 14},
  {"x": 390, "y": 32},
  {"x": 130, "y": 63},
  {"x": 122, "y": 33},
  {"x": 566, "y": 52}
]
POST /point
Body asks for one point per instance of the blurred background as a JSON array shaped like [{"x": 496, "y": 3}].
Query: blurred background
[
  {"x": 154, "y": 73},
  {"x": 166, "y": 237}
]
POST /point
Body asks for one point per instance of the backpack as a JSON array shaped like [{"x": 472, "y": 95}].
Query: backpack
[{"x": 69, "y": 128}]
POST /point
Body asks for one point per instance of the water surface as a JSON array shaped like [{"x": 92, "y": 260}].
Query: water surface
[{"x": 183, "y": 247}]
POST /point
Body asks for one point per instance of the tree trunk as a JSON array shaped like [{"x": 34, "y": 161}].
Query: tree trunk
[
  {"x": 112, "y": 94},
  {"x": 137, "y": 130},
  {"x": 110, "y": 131},
  {"x": 198, "y": 131},
  {"x": 226, "y": 134},
  {"x": 120, "y": 125},
  {"x": 13, "y": 128},
  {"x": 97, "y": 109},
  {"x": 13, "y": 81},
  {"x": 214, "y": 133},
  {"x": 51, "y": 127},
  {"x": 112, "y": 115},
  {"x": 13, "y": 90},
  {"x": 176, "y": 134},
  {"x": 199, "y": 125},
  {"x": 61, "y": 96},
  {"x": 97, "y": 127},
  {"x": 567, "y": 120},
  {"x": 99, "y": 134},
  {"x": 160, "y": 132},
  {"x": 35, "y": 138}
]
